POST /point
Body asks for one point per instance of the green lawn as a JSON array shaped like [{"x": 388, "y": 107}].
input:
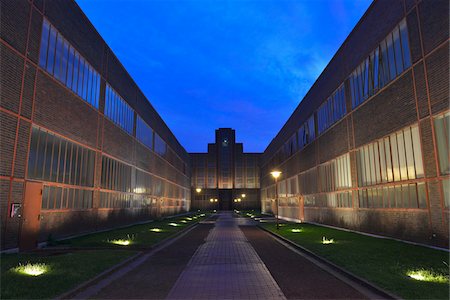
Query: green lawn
[
  {"x": 384, "y": 262},
  {"x": 64, "y": 272},
  {"x": 143, "y": 235}
]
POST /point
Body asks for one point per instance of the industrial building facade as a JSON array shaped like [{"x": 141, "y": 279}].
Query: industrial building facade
[
  {"x": 82, "y": 149},
  {"x": 225, "y": 177},
  {"x": 368, "y": 146}
]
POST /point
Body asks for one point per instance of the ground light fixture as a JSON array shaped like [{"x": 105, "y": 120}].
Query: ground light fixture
[
  {"x": 30, "y": 269},
  {"x": 156, "y": 230},
  {"x": 296, "y": 230},
  {"x": 183, "y": 221},
  {"x": 426, "y": 275},
  {"x": 326, "y": 241},
  {"x": 174, "y": 224},
  {"x": 121, "y": 242},
  {"x": 275, "y": 174}
]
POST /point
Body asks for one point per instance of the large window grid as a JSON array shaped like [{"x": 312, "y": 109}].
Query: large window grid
[
  {"x": 115, "y": 175},
  {"x": 331, "y": 110},
  {"x": 58, "y": 198},
  {"x": 383, "y": 65},
  {"x": 340, "y": 199},
  {"x": 306, "y": 133},
  {"x": 398, "y": 196},
  {"x": 335, "y": 174},
  {"x": 118, "y": 110},
  {"x": 394, "y": 158},
  {"x": 55, "y": 159},
  {"x": 442, "y": 134},
  {"x": 61, "y": 60},
  {"x": 144, "y": 133}
]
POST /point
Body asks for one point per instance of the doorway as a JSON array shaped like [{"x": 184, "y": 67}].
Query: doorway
[
  {"x": 225, "y": 199},
  {"x": 32, "y": 202}
]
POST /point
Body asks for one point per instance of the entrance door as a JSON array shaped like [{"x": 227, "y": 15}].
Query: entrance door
[
  {"x": 30, "y": 216},
  {"x": 225, "y": 199}
]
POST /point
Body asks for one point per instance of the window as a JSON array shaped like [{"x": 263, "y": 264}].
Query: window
[
  {"x": 307, "y": 182},
  {"x": 341, "y": 199},
  {"x": 335, "y": 174},
  {"x": 55, "y": 159},
  {"x": 160, "y": 145},
  {"x": 442, "y": 133},
  {"x": 306, "y": 133},
  {"x": 411, "y": 195},
  {"x": 118, "y": 111},
  {"x": 115, "y": 175},
  {"x": 383, "y": 65},
  {"x": 57, "y": 198},
  {"x": 144, "y": 133},
  {"x": 61, "y": 60},
  {"x": 331, "y": 110},
  {"x": 394, "y": 158}
]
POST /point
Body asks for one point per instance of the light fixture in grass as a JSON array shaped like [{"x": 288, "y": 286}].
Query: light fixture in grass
[
  {"x": 326, "y": 241},
  {"x": 156, "y": 230},
  {"x": 30, "y": 269},
  {"x": 296, "y": 230},
  {"x": 427, "y": 275},
  {"x": 183, "y": 221},
  {"x": 123, "y": 242},
  {"x": 189, "y": 219},
  {"x": 174, "y": 224}
]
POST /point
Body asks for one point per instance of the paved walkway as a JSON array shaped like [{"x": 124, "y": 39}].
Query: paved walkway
[{"x": 226, "y": 267}]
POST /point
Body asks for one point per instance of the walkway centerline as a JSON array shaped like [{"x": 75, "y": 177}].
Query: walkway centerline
[{"x": 226, "y": 267}]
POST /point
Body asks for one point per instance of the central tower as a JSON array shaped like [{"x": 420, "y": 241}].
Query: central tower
[{"x": 225, "y": 177}]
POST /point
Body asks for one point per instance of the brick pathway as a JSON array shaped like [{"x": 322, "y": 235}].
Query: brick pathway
[{"x": 226, "y": 267}]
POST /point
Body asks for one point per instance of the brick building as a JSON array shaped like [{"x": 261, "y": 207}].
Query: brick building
[
  {"x": 82, "y": 149},
  {"x": 225, "y": 177},
  {"x": 367, "y": 148}
]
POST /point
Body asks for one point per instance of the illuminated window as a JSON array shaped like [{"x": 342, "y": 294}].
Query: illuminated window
[{"x": 442, "y": 133}]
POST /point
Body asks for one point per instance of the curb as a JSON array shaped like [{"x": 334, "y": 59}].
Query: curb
[
  {"x": 161, "y": 244},
  {"x": 363, "y": 282}
]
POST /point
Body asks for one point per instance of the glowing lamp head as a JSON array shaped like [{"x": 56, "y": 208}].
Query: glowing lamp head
[
  {"x": 156, "y": 230},
  {"x": 296, "y": 230},
  {"x": 198, "y": 190},
  {"x": 173, "y": 224},
  {"x": 211, "y": 200},
  {"x": 215, "y": 200},
  {"x": 121, "y": 242},
  {"x": 243, "y": 195},
  {"x": 275, "y": 174}
]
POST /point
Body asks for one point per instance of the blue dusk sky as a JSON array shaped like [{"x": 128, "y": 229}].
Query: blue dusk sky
[{"x": 205, "y": 64}]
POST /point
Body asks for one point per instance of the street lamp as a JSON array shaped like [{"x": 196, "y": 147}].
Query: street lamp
[
  {"x": 276, "y": 174},
  {"x": 198, "y": 190}
]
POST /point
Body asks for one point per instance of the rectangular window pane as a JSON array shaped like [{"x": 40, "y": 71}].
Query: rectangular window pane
[
  {"x": 44, "y": 43},
  {"x": 51, "y": 50},
  {"x": 405, "y": 44},
  {"x": 417, "y": 151}
]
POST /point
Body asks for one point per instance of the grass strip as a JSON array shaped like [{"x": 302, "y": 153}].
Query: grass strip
[
  {"x": 409, "y": 271},
  {"x": 62, "y": 272},
  {"x": 142, "y": 235}
]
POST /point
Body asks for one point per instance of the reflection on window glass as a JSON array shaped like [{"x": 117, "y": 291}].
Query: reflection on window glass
[
  {"x": 383, "y": 65},
  {"x": 55, "y": 159},
  {"x": 118, "y": 110},
  {"x": 61, "y": 60}
]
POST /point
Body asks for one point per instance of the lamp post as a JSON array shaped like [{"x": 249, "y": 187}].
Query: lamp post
[
  {"x": 276, "y": 174},
  {"x": 199, "y": 190}
]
